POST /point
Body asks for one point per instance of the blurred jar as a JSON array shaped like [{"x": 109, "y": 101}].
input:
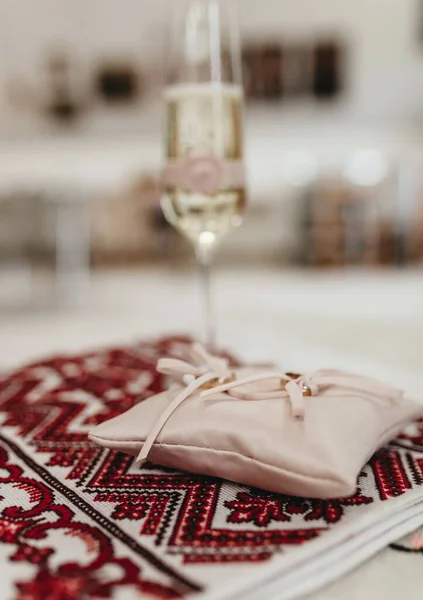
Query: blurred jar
[{"x": 349, "y": 218}]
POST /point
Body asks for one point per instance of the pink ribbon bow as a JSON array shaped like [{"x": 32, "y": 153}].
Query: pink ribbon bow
[{"x": 214, "y": 376}]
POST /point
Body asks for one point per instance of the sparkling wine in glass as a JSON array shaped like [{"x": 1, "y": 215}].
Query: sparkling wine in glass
[{"x": 204, "y": 194}]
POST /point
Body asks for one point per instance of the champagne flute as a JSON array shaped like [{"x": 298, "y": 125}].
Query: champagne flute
[{"x": 203, "y": 178}]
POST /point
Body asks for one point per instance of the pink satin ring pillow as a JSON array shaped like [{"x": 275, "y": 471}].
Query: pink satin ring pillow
[{"x": 300, "y": 435}]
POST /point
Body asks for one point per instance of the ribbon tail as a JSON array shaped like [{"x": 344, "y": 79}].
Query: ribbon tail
[
  {"x": 175, "y": 366},
  {"x": 297, "y": 399},
  {"x": 214, "y": 363},
  {"x": 165, "y": 416}
]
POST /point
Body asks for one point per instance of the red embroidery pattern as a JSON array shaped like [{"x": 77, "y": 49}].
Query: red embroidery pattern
[
  {"x": 141, "y": 528},
  {"x": 390, "y": 474},
  {"x": 150, "y": 507},
  {"x": 27, "y": 527},
  {"x": 412, "y": 440},
  {"x": 261, "y": 508}
]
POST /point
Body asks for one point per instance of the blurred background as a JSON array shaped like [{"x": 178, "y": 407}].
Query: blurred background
[{"x": 334, "y": 133}]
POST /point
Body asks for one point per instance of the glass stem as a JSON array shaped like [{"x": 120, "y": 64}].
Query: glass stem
[{"x": 204, "y": 260}]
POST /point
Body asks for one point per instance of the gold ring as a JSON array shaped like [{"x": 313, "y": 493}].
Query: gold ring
[
  {"x": 305, "y": 389},
  {"x": 209, "y": 385}
]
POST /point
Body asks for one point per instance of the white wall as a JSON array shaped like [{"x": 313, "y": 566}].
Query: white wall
[
  {"x": 383, "y": 104},
  {"x": 385, "y": 53}
]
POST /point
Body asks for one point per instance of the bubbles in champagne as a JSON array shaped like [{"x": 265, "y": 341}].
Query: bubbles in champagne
[{"x": 204, "y": 122}]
